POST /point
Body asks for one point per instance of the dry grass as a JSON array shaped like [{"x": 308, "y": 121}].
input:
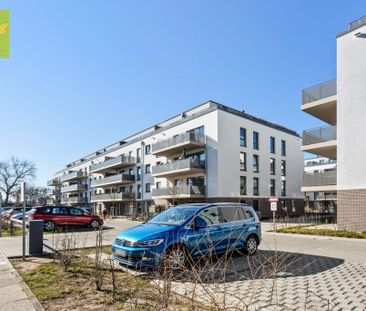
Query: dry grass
[{"x": 324, "y": 232}]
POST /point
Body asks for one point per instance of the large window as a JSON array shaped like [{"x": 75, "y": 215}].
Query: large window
[
  {"x": 283, "y": 148},
  {"x": 283, "y": 188},
  {"x": 139, "y": 173},
  {"x": 272, "y": 166},
  {"x": 255, "y": 186},
  {"x": 147, "y": 168},
  {"x": 243, "y": 161},
  {"x": 139, "y": 191},
  {"x": 138, "y": 154},
  {"x": 273, "y": 187},
  {"x": 147, "y": 149},
  {"x": 272, "y": 144},
  {"x": 283, "y": 168},
  {"x": 148, "y": 188},
  {"x": 243, "y": 185},
  {"x": 256, "y": 140},
  {"x": 243, "y": 137},
  {"x": 255, "y": 163}
]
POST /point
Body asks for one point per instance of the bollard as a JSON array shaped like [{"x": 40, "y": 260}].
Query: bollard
[{"x": 35, "y": 237}]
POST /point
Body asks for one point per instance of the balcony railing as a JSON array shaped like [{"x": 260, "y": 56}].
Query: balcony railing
[
  {"x": 326, "y": 178},
  {"x": 176, "y": 192},
  {"x": 73, "y": 200},
  {"x": 71, "y": 188},
  {"x": 115, "y": 179},
  {"x": 72, "y": 175},
  {"x": 318, "y": 135},
  {"x": 53, "y": 182},
  {"x": 113, "y": 196},
  {"x": 188, "y": 137},
  {"x": 319, "y": 91},
  {"x": 185, "y": 164},
  {"x": 325, "y": 197},
  {"x": 117, "y": 161}
]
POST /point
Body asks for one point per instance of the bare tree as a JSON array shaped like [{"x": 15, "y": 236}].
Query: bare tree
[
  {"x": 12, "y": 172},
  {"x": 34, "y": 195},
  {"x": 174, "y": 193}
]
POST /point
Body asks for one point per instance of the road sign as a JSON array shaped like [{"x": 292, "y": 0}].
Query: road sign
[{"x": 274, "y": 206}]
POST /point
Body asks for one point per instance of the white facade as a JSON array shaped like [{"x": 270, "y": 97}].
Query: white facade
[{"x": 202, "y": 163}]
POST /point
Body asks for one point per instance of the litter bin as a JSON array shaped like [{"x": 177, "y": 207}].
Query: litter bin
[{"x": 35, "y": 237}]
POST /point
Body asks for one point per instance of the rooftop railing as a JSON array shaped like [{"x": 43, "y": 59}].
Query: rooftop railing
[
  {"x": 319, "y": 91},
  {"x": 112, "y": 179},
  {"x": 178, "y": 165},
  {"x": 320, "y": 134},
  {"x": 179, "y": 139},
  {"x": 326, "y": 178}
]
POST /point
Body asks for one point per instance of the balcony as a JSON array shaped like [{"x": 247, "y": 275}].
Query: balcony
[
  {"x": 73, "y": 188},
  {"x": 72, "y": 176},
  {"x": 321, "y": 141},
  {"x": 320, "y": 182},
  {"x": 326, "y": 197},
  {"x": 179, "y": 192},
  {"x": 113, "y": 180},
  {"x": 53, "y": 191},
  {"x": 320, "y": 101},
  {"x": 176, "y": 144},
  {"x": 114, "y": 163},
  {"x": 53, "y": 182},
  {"x": 112, "y": 197},
  {"x": 74, "y": 200},
  {"x": 178, "y": 168}
]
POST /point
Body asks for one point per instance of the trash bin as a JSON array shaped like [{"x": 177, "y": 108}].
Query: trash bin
[{"x": 35, "y": 237}]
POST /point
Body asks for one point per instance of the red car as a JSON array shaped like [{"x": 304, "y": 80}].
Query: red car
[{"x": 55, "y": 216}]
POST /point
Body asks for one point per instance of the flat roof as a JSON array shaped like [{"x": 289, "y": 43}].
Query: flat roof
[{"x": 354, "y": 25}]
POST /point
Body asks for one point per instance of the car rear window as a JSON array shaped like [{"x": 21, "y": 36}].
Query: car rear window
[{"x": 232, "y": 213}]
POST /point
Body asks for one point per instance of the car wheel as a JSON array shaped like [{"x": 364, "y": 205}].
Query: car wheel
[
  {"x": 176, "y": 258},
  {"x": 95, "y": 224},
  {"x": 251, "y": 246},
  {"x": 49, "y": 225}
]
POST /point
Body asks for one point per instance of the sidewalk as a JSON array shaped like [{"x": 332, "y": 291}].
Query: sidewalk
[{"x": 14, "y": 294}]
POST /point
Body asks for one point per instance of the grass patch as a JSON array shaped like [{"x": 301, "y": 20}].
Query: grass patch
[
  {"x": 324, "y": 232},
  {"x": 16, "y": 232}
]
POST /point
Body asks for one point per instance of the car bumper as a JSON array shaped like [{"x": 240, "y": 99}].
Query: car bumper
[{"x": 135, "y": 257}]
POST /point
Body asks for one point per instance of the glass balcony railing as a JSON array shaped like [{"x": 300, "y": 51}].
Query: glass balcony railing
[
  {"x": 71, "y": 188},
  {"x": 114, "y": 179},
  {"x": 113, "y": 196},
  {"x": 185, "y": 164},
  {"x": 115, "y": 162},
  {"x": 319, "y": 91},
  {"x": 72, "y": 175},
  {"x": 188, "y": 137},
  {"x": 320, "y": 134},
  {"x": 179, "y": 191},
  {"x": 326, "y": 178},
  {"x": 53, "y": 182},
  {"x": 73, "y": 200}
]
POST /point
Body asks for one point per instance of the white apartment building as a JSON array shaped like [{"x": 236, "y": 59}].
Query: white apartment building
[
  {"x": 316, "y": 171},
  {"x": 341, "y": 104},
  {"x": 208, "y": 153}
]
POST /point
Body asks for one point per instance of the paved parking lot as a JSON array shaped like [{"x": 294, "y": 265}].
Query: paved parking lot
[{"x": 290, "y": 272}]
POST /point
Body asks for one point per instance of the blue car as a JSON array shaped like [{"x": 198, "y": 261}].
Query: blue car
[{"x": 189, "y": 231}]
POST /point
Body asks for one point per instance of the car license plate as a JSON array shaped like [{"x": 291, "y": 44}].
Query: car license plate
[{"x": 120, "y": 252}]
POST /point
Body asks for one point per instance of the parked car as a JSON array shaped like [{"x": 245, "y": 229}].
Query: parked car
[
  {"x": 19, "y": 216},
  {"x": 188, "y": 231},
  {"x": 14, "y": 211},
  {"x": 55, "y": 216}
]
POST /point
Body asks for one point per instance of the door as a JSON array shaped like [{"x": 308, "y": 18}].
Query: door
[
  {"x": 60, "y": 215},
  {"x": 205, "y": 233},
  {"x": 77, "y": 216}
]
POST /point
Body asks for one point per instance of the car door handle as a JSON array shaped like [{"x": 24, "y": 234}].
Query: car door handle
[{"x": 215, "y": 228}]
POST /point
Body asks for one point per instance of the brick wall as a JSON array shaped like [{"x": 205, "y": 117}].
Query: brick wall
[{"x": 351, "y": 209}]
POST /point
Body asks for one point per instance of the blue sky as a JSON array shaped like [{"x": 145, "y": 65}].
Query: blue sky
[{"x": 84, "y": 74}]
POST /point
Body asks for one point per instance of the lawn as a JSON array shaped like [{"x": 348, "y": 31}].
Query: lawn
[
  {"x": 324, "y": 232},
  {"x": 75, "y": 288}
]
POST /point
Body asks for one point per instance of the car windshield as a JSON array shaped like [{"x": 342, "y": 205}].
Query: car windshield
[{"x": 173, "y": 216}]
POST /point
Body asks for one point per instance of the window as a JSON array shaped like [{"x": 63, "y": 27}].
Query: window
[
  {"x": 76, "y": 212},
  {"x": 130, "y": 154},
  {"x": 243, "y": 161},
  {"x": 59, "y": 211},
  {"x": 283, "y": 148},
  {"x": 283, "y": 188},
  {"x": 147, "y": 168},
  {"x": 158, "y": 185},
  {"x": 273, "y": 187},
  {"x": 243, "y": 185},
  {"x": 256, "y": 140},
  {"x": 248, "y": 213},
  {"x": 283, "y": 168},
  {"x": 272, "y": 144},
  {"x": 138, "y": 154},
  {"x": 147, "y": 149},
  {"x": 131, "y": 171},
  {"x": 148, "y": 188},
  {"x": 272, "y": 166},
  {"x": 255, "y": 186},
  {"x": 139, "y": 191},
  {"x": 243, "y": 137},
  {"x": 46, "y": 210},
  {"x": 198, "y": 130},
  {"x": 255, "y": 163},
  {"x": 208, "y": 217},
  {"x": 256, "y": 205},
  {"x": 177, "y": 182},
  {"x": 231, "y": 213},
  {"x": 139, "y": 173}
]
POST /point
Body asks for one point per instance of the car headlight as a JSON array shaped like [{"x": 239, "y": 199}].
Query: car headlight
[{"x": 150, "y": 243}]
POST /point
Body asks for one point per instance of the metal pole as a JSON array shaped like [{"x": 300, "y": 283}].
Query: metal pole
[
  {"x": 23, "y": 233},
  {"x": 1, "y": 217}
]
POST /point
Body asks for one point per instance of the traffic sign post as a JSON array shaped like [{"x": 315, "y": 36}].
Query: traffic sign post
[
  {"x": 1, "y": 216},
  {"x": 22, "y": 198},
  {"x": 273, "y": 206}
]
